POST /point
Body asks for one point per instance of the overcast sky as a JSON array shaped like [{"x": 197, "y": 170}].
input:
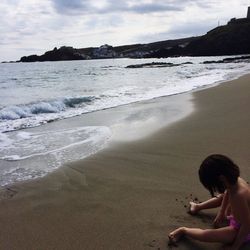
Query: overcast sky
[{"x": 35, "y": 26}]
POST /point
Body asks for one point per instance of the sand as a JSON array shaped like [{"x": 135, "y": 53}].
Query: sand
[{"x": 132, "y": 194}]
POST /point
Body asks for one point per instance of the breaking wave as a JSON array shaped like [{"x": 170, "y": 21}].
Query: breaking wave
[{"x": 43, "y": 107}]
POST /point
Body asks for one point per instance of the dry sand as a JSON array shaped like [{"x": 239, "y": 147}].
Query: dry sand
[{"x": 130, "y": 195}]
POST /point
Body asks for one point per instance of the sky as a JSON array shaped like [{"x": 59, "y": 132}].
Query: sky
[{"x": 35, "y": 26}]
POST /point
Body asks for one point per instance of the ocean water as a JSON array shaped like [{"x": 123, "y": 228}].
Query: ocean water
[{"x": 34, "y": 94}]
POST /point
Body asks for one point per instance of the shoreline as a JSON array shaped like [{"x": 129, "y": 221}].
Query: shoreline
[
  {"x": 130, "y": 195},
  {"x": 119, "y": 124},
  {"x": 178, "y": 106}
]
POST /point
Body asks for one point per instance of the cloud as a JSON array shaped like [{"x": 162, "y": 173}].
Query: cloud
[
  {"x": 141, "y": 7},
  {"x": 37, "y": 25},
  {"x": 178, "y": 31},
  {"x": 191, "y": 29},
  {"x": 72, "y": 7},
  {"x": 90, "y": 7},
  {"x": 152, "y": 8}
]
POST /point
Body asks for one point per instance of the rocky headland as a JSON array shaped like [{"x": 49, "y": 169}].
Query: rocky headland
[{"x": 230, "y": 39}]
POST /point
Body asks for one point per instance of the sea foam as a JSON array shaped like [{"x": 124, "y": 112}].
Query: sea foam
[
  {"x": 28, "y": 155},
  {"x": 34, "y": 94}
]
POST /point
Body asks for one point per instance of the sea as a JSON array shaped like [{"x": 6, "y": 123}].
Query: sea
[{"x": 35, "y": 94}]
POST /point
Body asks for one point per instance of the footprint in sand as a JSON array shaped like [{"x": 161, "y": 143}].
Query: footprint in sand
[
  {"x": 7, "y": 193},
  {"x": 154, "y": 244}
]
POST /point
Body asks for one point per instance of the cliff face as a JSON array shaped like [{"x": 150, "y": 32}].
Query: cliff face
[{"x": 231, "y": 39}]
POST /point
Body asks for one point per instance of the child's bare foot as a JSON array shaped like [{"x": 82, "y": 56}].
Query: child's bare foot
[
  {"x": 175, "y": 236},
  {"x": 193, "y": 208}
]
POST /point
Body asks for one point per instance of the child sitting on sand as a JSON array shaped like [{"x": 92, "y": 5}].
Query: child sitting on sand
[{"x": 220, "y": 174}]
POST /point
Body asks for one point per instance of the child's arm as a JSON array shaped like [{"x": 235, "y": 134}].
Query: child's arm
[
  {"x": 221, "y": 214},
  {"x": 242, "y": 213}
]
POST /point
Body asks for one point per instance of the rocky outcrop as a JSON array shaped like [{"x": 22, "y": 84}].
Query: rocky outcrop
[
  {"x": 62, "y": 54},
  {"x": 230, "y": 60},
  {"x": 155, "y": 65}
]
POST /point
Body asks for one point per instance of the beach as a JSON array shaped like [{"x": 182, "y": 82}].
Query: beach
[{"x": 133, "y": 193}]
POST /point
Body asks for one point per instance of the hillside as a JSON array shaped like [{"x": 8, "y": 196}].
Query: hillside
[{"x": 230, "y": 39}]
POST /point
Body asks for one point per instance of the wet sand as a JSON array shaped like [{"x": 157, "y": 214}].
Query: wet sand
[{"x": 132, "y": 194}]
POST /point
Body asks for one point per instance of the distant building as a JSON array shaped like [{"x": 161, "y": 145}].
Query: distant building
[
  {"x": 241, "y": 20},
  {"x": 104, "y": 51}
]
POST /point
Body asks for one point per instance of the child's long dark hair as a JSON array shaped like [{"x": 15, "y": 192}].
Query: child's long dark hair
[{"x": 215, "y": 166}]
